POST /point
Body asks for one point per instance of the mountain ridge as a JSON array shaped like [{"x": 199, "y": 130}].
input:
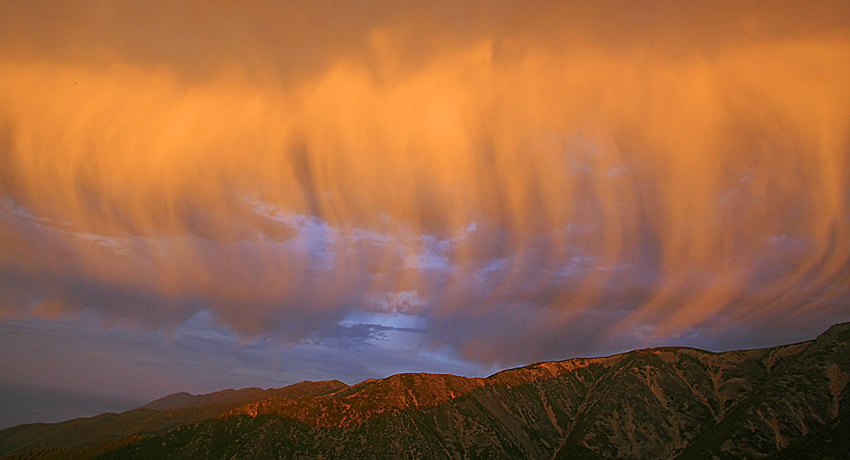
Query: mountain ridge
[
  {"x": 789, "y": 401},
  {"x": 184, "y": 400}
]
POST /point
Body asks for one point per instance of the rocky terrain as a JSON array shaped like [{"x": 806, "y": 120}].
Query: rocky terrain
[{"x": 787, "y": 402}]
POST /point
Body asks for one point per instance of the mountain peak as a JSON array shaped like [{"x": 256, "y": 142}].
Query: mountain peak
[
  {"x": 836, "y": 330},
  {"x": 172, "y": 401}
]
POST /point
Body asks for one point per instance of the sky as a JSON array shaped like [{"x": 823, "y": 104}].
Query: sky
[{"x": 206, "y": 195}]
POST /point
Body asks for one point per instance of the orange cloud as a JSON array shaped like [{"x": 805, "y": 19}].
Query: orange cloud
[{"x": 665, "y": 169}]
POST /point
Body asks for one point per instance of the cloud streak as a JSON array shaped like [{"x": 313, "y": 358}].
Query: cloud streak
[{"x": 528, "y": 180}]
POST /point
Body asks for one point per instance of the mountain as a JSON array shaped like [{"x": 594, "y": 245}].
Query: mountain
[
  {"x": 86, "y": 437},
  {"x": 787, "y": 402},
  {"x": 235, "y": 398}
]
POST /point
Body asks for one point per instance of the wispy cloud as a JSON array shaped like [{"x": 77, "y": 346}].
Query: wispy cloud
[{"x": 505, "y": 181}]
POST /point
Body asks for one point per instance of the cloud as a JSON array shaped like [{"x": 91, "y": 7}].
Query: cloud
[{"x": 529, "y": 179}]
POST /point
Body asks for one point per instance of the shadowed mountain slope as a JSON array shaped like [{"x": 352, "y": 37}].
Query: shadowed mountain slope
[{"x": 666, "y": 403}]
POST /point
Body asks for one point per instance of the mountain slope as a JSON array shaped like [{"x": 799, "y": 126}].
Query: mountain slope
[
  {"x": 160, "y": 415},
  {"x": 668, "y": 403},
  {"x": 227, "y": 398}
]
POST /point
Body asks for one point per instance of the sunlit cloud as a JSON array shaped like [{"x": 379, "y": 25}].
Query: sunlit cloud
[{"x": 499, "y": 182}]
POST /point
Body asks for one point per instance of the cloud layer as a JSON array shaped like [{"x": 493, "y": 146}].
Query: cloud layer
[{"x": 510, "y": 181}]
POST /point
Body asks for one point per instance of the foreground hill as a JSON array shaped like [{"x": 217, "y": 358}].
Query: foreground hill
[{"x": 785, "y": 402}]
